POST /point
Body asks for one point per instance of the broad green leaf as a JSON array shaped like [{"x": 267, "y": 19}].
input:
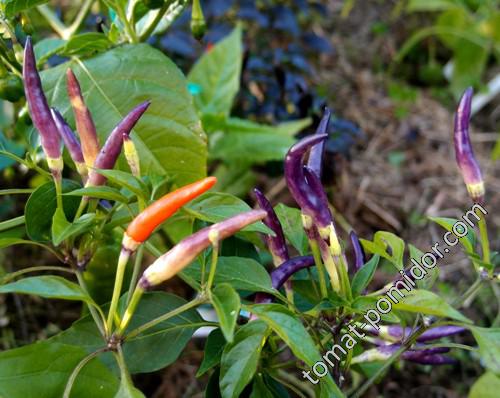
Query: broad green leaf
[
  {"x": 259, "y": 388},
  {"x": 86, "y": 44},
  {"x": 12, "y": 7},
  {"x": 213, "y": 351},
  {"x": 151, "y": 350},
  {"x": 487, "y": 386},
  {"x": 240, "y": 358},
  {"x": 127, "y": 388},
  {"x": 469, "y": 63},
  {"x": 102, "y": 192},
  {"x": 217, "y": 74},
  {"x": 48, "y": 286},
  {"x": 432, "y": 274},
  {"x": 388, "y": 246},
  {"x": 286, "y": 325},
  {"x": 364, "y": 275},
  {"x": 426, "y": 302},
  {"x": 45, "y": 48},
  {"x": 488, "y": 340},
  {"x": 6, "y": 242},
  {"x": 168, "y": 137},
  {"x": 227, "y": 305},
  {"x": 291, "y": 222},
  {"x": 62, "y": 229},
  {"x": 362, "y": 304},
  {"x": 42, "y": 369},
  {"x": 241, "y": 273},
  {"x": 217, "y": 206},
  {"x": 234, "y": 178},
  {"x": 468, "y": 241},
  {"x": 430, "y": 5},
  {"x": 126, "y": 180},
  {"x": 41, "y": 206}
]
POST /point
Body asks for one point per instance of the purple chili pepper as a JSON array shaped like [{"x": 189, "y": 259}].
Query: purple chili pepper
[
  {"x": 40, "y": 112},
  {"x": 282, "y": 273},
  {"x": 109, "y": 153},
  {"x": 294, "y": 173},
  {"x": 359, "y": 254},
  {"x": 396, "y": 332},
  {"x": 464, "y": 152},
  {"x": 276, "y": 244},
  {"x": 429, "y": 356},
  {"x": 69, "y": 138},
  {"x": 435, "y": 359},
  {"x": 316, "y": 154}
]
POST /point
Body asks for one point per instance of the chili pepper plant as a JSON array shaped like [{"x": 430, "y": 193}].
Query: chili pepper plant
[{"x": 122, "y": 213}]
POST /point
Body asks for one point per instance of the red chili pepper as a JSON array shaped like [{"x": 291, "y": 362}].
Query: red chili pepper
[{"x": 146, "y": 222}]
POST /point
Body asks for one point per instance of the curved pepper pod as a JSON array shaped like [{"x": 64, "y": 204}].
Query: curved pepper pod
[
  {"x": 109, "y": 153},
  {"x": 40, "y": 112},
  {"x": 282, "y": 273},
  {"x": 396, "y": 333},
  {"x": 182, "y": 254},
  {"x": 296, "y": 181},
  {"x": 315, "y": 160},
  {"x": 71, "y": 142},
  {"x": 84, "y": 122},
  {"x": 359, "y": 254},
  {"x": 276, "y": 244},
  {"x": 464, "y": 153},
  {"x": 150, "y": 218}
]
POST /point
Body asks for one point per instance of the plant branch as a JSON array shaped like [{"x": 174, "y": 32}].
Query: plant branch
[{"x": 77, "y": 370}]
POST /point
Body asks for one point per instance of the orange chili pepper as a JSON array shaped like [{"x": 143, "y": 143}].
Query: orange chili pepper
[{"x": 146, "y": 222}]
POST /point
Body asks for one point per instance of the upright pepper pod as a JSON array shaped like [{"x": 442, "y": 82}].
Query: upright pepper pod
[
  {"x": 109, "y": 153},
  {"x": 466, "y": 160},
  {"x": 84, "y": 122},
  {"x": 131, "y": 155},
  {"x": 182, "y": 254},
  {"x": 359, "y": 254},
  {"x": 315, "y": 161},
  {"x": 40, "y": 112},
  {"x": 71, "y": 143},
  {"x": 396, "y": 333},
  {"x": 198, "y": 25},
  {"x": 155, "y": 214}
]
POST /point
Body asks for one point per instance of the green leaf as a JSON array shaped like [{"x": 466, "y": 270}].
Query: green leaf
[
  {"x": 217, "y": 206},
  {"x": 214, "y": 346},
  {"x": 102, "y": 192},
  {"x": 41, "y": 206},
  {"x": 291, "y": 221},
  {"x": 430, "y": 5},
  {"x": 86, "y": 44},
  {"x": 127, "y": 389},
  {"x": 364, "y": 275},
  {"x": 469, "y": 63},
  {"x": 48, "y": 286},
  {"x": 42, "y": 369},
  {"x": 426, "y": 302},
  {"x": 217, "y": 74},
  {"x": 286, "y": 325},
  {"x": 12, "y": 7},
  {"x": 487, "y": 386},
  {"x": 125, "y": 180},
  {"x": 468, "y": 241},
  {"x": 62, "y": 229},
  {"x": 241, "y": 273},
  {"x": 168, "y": 137},
  {"x": 259, "y": 388},
  {"x": 382, "y": 241},
  {"x": 488, "y": 340},
  {"x": 227, "y": 305},
  {"x": 240, "y": 358},
  {"x": 432, "y": 274}
]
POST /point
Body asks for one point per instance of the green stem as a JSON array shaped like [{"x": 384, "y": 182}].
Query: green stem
[
  {"x": 152, "y": 26},
  {"x": 16, "y": 191},
  {"x": 129, "y": 29},
  {"x": 77, "y": 370},
  {"x": 471, "y": 291},
  {"x": 95, "y": 311},
  {"x": 120, "y": 272},
  {"x": 54, "y": 22},
  {"x": 179, "y": 310},
  {"x": 129, "y": 312},
  {"x": 58, "y": 184},
  {"x": 135, "y": 274},
  {"x": 70, "y": 31},
  {"x": 213, "y": 265},
  {"x": 14, "y": 275},
  {"x": 485, "y": 242},
  {"x": 320, "y": 267},
  {"x": 81, "y": 208}
]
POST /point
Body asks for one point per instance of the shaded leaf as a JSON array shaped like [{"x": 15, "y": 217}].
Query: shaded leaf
[{"x": 227, "y": 305}]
